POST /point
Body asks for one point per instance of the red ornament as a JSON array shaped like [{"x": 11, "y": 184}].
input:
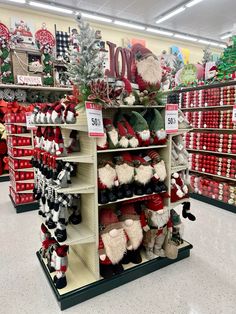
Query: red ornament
[
  {"x": 43, "y": 36},
  {"x": 4, "y": 31}
]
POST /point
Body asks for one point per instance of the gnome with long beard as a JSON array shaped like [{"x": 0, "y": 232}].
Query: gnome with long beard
[
  {"x": 140, "y": 126},
  {"x": 143, "y": 176},
  {"x": 146, "y": 69},
  {"x": 112, "y": 243},
  {"x": 112, "y": 136},
  {"x": 125, "y": 174},
  {"x": 156, "y": 126},
  {"x": 131, "y": 223},
  {"x": 107, "y": 181}
]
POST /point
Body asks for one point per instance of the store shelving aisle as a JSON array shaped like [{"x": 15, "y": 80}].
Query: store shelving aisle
[{"x": 204, "y": 283}]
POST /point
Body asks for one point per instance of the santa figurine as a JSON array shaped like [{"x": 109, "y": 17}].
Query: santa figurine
[
  {"x": 111, "y": 133},
  {"x": 143, "y": 175},
  {"x": 112, "y": 243},
  {"x": 132, "y": 225},
  {"x": 140, "y": 126},
  {"x": 160, "y": 173},
  {"x": 60, "y": 260},
  {"x": 156, "y": 126},
  {"x": 107, "y": 182},
  {"x": 156, "y": 223},
  {"x": 146, "y": 68},
  {"x": 125, "y": 175}
]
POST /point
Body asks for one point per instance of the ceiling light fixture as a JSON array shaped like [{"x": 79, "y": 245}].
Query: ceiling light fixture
[
  {"x": 135, "y": 26},
  {"x": 169, "y": 15},
  {"x": 96, "y": 17},
  {"x": 17, "y": 1},
  {"x": 211, "y": 43},
  {"x": 225, "y": 36},
  {"x": 192, "y": 3},
  {"x": 185, "y": 37},
  {"x": 158, "y": 31},
  {"x": 202, "y": 41},
  {"x": 50, "y": 7},
  {"x": 222, "y": 46}
]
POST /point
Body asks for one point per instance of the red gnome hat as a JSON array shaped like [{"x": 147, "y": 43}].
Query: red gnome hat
[
  {"x": 123, "y": 140},
  {"x": 155, "y": 204},
  {"x": 128, "y": 212},
  {"x": 108, "y": 220}
]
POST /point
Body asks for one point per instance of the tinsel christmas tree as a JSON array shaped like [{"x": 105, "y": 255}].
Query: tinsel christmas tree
[
  {"x": 227, "y": 62},
  {"x": 86, "y": 63},
  {"x": 207, "y": 55}
]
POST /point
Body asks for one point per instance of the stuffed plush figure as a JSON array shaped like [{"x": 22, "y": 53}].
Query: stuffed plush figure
[
  {"x": 75, "y": 218},
  {"x": 178, "y": 227},
  {"x": 107, "y": 182},
  {"x": 60, "y": 260},
  {"x": 157, "y": 127},
  {"x": 179, "y": 189},
  {"x": 127, "y": 136},
  {"x": 143, "y": 176},
  {"x": 160, "y": 173},
  {"x": 111, "y": 132},
  {"x": 132, "y": 226},
  {"x": 112, "y": 243},
  {"x": 34, "y": 115},
  {"x": 156, "y": 223},
  {"x": 71, "y": 141},
  {"x": 140, "y": 126},
  {"x": 57, "y": 114},
  {"x": 102, "y": 142}
]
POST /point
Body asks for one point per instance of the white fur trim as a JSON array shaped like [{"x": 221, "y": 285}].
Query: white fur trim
[
  {"x": 161, "y": 134},
  {"x": 133, "y": 142},
  {"x": 185, "y": 189},
  {"x": 175, "y": 175},
  {"x": 144, "y": 135},
  {"x": 113, "y": 136},
  {"x": 54, "y": 116},
  {"x": 179, "y": 193},
  {"x": 125, "y": 173},
  {"x": 107, "y": 176},
  {"x": 123, "y": 142},
  {"x": 115, "y": 247},
  {"x": 150, "y": 70},
  {"x": 173, "y": 181},
  {"x": 144, "y": 173}
]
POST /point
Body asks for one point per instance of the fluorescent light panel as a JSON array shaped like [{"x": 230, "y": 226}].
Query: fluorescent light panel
[
  {"x": 17, "y": 1},
  {"x": 192, "y": 3},
  {"x": 169, "y": 15},
  {"x": 222, "y": 46},
  {"x": 185, "y": 37},
  {"x": 121, "y": 23},
  {"x": 50, "y": 7},
  {"x": 226, "y": 36},
  {"x": 96, "y": 17},
  {"x": 213, "y": 44},
  {"x": 202, "y": 41},
  {"x": 158, "y": 31}
]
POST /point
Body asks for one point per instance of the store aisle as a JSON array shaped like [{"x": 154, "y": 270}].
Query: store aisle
[{"x": 205, "y": 283}]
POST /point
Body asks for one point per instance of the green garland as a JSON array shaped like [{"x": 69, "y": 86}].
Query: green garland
[
  {"x": 48, "y": 65},
  {"x": 5, "y": 61}
]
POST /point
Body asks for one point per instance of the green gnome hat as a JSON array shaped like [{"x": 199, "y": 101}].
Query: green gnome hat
[
  {"x": 138, "y": 122},
  {"x": 157, "y": 123}
]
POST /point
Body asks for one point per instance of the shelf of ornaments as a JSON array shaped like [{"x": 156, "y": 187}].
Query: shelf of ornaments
[
  {"x": 179, "y": 168},
  {"x": 33, "y": 87},
  {"x": 208, "y": 108},
  {"x": 213, "y": 129},
  {"x": 209, "y": 86},
  {"x": 79, "y": 275},
  {"x": 213, "y": 175},
  {"x": 210, "y": 152}
]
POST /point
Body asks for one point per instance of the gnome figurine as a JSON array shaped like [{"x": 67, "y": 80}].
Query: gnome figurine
[
  {"x": 102, "y": 142},
  {"x": 125, "y": 175},
  {"x": 57, "y": 114},
  {"x": 140, "y": 126},
  {"x": 126, "y": 132},
  {"x": 160, "y": 173},
  {"x": 112, "y": 134},
  {"x": 107, "y": 181},
  {"x": 112, "y": 243},
  {"x": 143, "y": 176},
  {"x": 156, "y": 222},
  {"x": 132, "y": 225},
  {"x": 59, "y": 143},
  {"x": 146, "y": 69},
  {"x": 61, "y": 263},
  {"x": 157, "y": 127}
]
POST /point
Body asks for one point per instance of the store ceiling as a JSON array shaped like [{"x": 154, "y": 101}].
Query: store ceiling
[{"x": 209, "y": 18}]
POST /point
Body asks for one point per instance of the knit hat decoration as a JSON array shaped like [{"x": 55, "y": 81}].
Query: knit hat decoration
[
  {"x": 108, "y": 220},
  {"x": 155, "y": 204}
]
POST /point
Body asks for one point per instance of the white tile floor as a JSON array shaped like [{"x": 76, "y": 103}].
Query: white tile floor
[{"x": 205, "y": 283}]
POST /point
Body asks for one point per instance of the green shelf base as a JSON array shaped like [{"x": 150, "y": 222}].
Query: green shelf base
[
  {"x": 214, "y": 202},
  {"x": 26, "y": 207},
  {"x": 89, "y": 291},
  {"x": 4, "y": 178}
]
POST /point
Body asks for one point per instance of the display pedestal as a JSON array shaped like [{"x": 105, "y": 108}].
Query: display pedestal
[
  {"x": 132, "y": 272},
  {"x": 214, "y": 202},
  {"x": 26, "y": 207}
]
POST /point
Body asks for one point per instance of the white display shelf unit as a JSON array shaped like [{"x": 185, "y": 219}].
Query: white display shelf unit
[
  {"x": 83, "y": 275},
  {"x": 210, "y": 152},
  {"x": 208, "y": 108}
]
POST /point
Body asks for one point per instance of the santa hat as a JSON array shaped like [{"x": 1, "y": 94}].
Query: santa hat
[
  {"x": 127, "y": 158},
  {"x": 155, "y": 203},
  {"x": 108, "y": 123},
  {"x": 128, "y": 87},
  {"x": 138, "y": 123},
  {"x": 128, "y": 212},
  {"x": 108, "y": 220},
  {"x": 70, "y": 113},
  {"x": 213, "y": 68},
  {"x": 62, "y": 250},
  {"x": 154, "y": 155},
  {"x": 138, "y": 51}
]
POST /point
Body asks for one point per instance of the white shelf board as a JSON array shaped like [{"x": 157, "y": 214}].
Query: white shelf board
[
  {"x": 25, "y": 191},
  {"x": 78, "y": 157},
  {"x": 213, "y": 175},
  {"x": 179, "y": 168},
  {"x": 207, "y": 107},
  {"x": 49, "y": 88},
  {"x": 181, "y": 131},
  {"x": 130, "y": 149},
  {"x": 21, "y": 147},
  {"x": 173, "y": 205},
  {"x": 23, "y": 169},
  {"x": 77, "y": 127},
  {"x": 77, "y": 186},
  {"x": 136, "y": 106},
  {"x": 20, "y": 134},
  {"x": 209, "y": 152},
  {"x": 78, "y": 234}
]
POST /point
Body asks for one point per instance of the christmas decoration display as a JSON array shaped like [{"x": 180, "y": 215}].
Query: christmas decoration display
[
  {"x": 112, "y": 243},
  {"x": 62, "y": 44},
  {"x": 157, "y": 127},
  {"x": 179, "y": 189},
  {"x": 6, "y": 75},
  {"x": 179, "y": 155},
  {"x": 140, "y": 126},
  {"x": 177, "y": 227},
  {"x": 3, "y": 150},
  {"x": 227, "y": 65}
]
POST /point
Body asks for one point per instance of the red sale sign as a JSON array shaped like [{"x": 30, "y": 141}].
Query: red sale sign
[
  {"x": 94, "y": 119},
  {"x": 171, "y": 118}
]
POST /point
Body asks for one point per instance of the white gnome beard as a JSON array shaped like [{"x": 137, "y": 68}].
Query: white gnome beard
[
  {"x": 159, "y": 220},
  {"x": 49, "y": 117},
  {"x": 133, "y": 142},
  {"x": 144, "y": 174},
  {"x": 161, "y": 134},
  {"x": 125, "y": 173},
  {"x": 102, "y": 141},
  {"x": 115, "y": 247},
  {"x": 144, "y": 135},
  {"x": 70, "y": 117},
  {"x": 150, "y": 70},
  {"x": 54, "y": 116},
  {"x": 134, "y": 232},
  {"x": 107, "y": 176},
  {"x": 124, "y": 142},
  {"x": 160, "y": 170},
  {"x": 113, "y": 135}
]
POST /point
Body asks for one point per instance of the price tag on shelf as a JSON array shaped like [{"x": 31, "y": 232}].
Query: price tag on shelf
[
  {"x": 94, "y": 119},
  {"x": 234, "y": 114},
  {"x": 29, "y": 126},
  {"x": 171, "y": 118}
]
